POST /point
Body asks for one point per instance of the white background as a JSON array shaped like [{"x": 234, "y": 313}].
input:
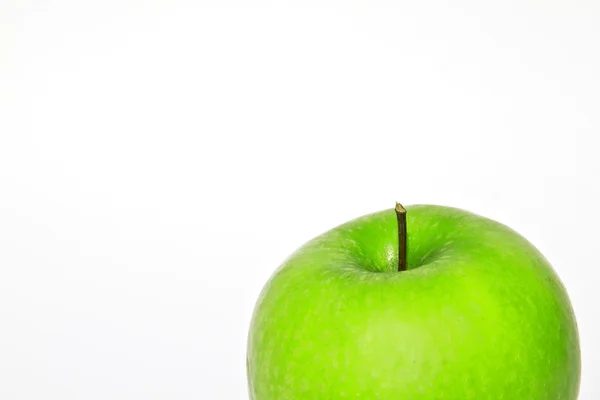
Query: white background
[{"x": 159, "y": 159}]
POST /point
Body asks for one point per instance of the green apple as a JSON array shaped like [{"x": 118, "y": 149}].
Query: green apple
[{"x": 478, "y": 314}]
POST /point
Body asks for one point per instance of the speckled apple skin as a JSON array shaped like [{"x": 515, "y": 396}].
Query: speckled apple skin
[{"x": 479, "y": 314}]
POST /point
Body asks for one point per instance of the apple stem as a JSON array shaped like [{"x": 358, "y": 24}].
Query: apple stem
[{"x": 401, "y": 216}]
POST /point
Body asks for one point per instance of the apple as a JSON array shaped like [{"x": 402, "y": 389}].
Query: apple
[{"x": 470, "y": 310}]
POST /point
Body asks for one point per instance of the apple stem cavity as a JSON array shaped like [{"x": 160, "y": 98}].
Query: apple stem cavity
[{"x": 401, "y": 216}]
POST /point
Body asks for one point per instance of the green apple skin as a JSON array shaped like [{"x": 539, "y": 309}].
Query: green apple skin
[{"x": 479, "y": 314}]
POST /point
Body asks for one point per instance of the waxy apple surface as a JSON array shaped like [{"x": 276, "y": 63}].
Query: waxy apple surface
[{"x": 479, "y": 314}]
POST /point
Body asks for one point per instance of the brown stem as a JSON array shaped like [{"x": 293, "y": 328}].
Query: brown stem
[{"x": 401, "y": 216}]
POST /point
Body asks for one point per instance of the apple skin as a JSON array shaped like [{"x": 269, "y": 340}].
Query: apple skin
[{"x": 479, "y": 314}]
